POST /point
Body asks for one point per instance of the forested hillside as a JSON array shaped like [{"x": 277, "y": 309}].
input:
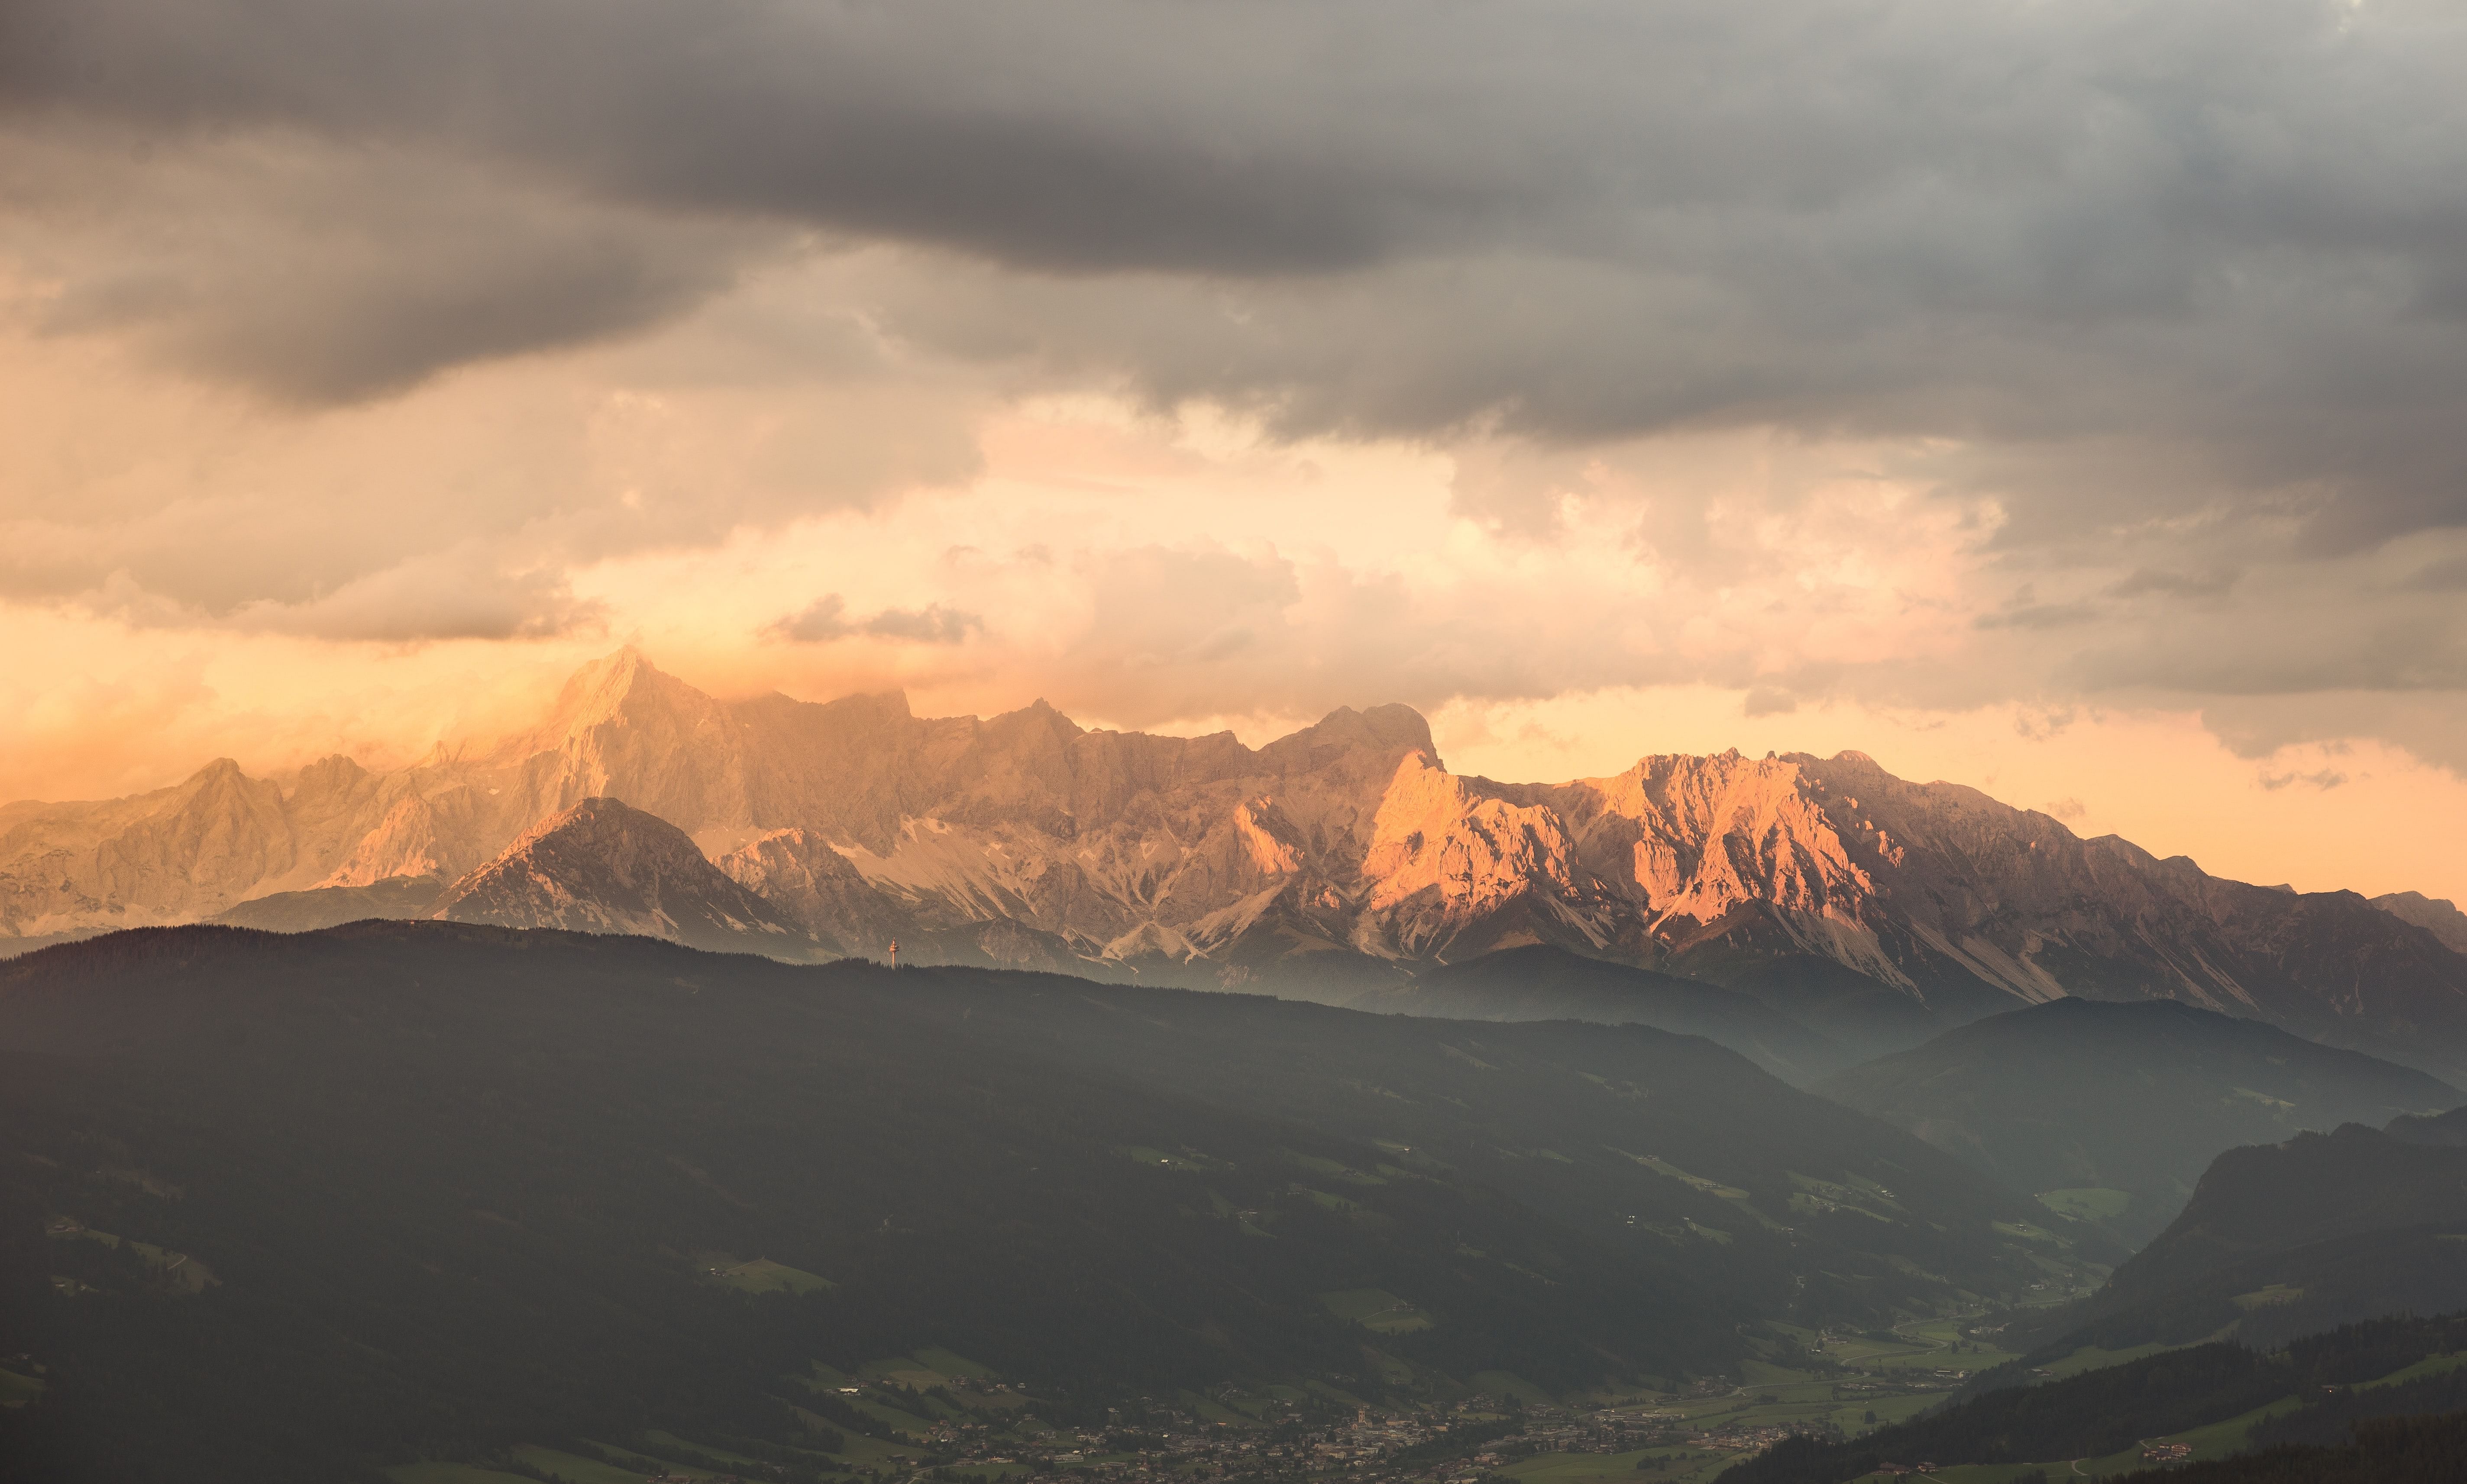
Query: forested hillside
[
  {"x": 2112, "y": 1111},
  {"x": 288, "y": 1207}
]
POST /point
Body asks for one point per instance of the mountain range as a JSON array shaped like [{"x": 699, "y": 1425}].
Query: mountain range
[{"x": 1337, "y": 861}]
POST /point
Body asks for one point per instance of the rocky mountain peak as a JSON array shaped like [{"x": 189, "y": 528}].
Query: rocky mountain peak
[
  {"x": 620, "y": 690},
  {"x": 1389, "y": 726},
  {"x": 1382, "y": 733},
  {"x": 1344, "y": 848},
  {"x": 330, "y": 773},
  {"x": 2436, "y": 916},
  {"x": 604, "y": 867}
]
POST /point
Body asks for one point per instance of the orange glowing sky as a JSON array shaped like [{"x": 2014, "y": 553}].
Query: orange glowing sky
[{"x": 1591, "y": 413}]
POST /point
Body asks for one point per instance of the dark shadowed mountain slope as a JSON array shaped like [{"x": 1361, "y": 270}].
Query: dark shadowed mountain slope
[
  {"x": 2400, "y": 1449},
  {"x": 1541, "y": 982},
  {"x": 2288, "y": 1239},
  {"x": 2317, "y": 1387},
  {"x": 1664, "y": 1144},
  {"x": 459, "y": 1186},
  {"x": 2114, "y": 1111},
  {"x": 602, "y": 866},
  {"x": 2313, "y": 1188}
]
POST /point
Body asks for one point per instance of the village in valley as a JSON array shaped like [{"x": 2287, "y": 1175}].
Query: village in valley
[{"x": 937, "y": 1418}]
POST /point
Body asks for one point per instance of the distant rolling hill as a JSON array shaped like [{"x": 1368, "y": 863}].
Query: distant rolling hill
[
  {"x": 435, "y": 1189},
  {"x": 1543, "y": 982},
  {"x": 331, "y": 907},
  {"x": 2112, "y": 1111},
  {"x": 2449, "y": 1129}
]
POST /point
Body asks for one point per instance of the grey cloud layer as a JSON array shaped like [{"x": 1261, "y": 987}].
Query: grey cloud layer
[
  {"x": 2031, "y": 141},
  {"x": 2239, "y": 224},
  {"x": 2188, "y": 277}
]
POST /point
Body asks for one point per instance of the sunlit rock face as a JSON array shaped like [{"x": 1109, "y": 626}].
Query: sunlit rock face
[{"x": 1326, "y": 858}]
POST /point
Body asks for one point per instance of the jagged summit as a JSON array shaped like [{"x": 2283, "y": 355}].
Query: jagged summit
[
  {"x": 1390, "y": 725},
  {"x": 1340, "y": 853}
]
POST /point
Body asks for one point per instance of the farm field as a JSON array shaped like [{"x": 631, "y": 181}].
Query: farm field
[
  {"x": 1779, "y": 1404},
  {"x": 1891, "y": 1380},
  {"x": 946, "y": 1363},
  {"x": 670, "y": 1440},
  {"x": 905, "y": 1422},
  {"x": 762, "y": 1276},
  {"x": 2091, "y": 1358},
  {"x": 1379, "y": 1312},
  {"x": 179, "y": 1269},
  {"x": 863, "y": 1452},
  {"x": 1917, "y": 1345},
  {"x": 2087, "y": 1203},
  {"x": 1509, "y": 1384}
]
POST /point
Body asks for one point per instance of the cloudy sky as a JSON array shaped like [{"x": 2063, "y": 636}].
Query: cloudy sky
[{"x": 2063, "y": 397}]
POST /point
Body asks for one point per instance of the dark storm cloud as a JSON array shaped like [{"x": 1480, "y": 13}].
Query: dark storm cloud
[
  {"x": 2221, "y": 241},
  {"x": 2069, "y": 159},
  {"x": 1073, "y": 136},
  {"x": 323, "y": 276}
]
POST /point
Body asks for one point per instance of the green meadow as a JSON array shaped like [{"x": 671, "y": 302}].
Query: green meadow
[
  {"x": 762, "y": 1276},
  {"x": 1377, "y": 1310},
  {"x": 2091, "y": 1203}
]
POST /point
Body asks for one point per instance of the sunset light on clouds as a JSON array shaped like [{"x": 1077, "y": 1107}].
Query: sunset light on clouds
[{"x": 1600, "y": 380}]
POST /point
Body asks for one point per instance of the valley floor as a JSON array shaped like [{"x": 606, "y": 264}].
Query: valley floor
[{"x": 949, "y": 1420}]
